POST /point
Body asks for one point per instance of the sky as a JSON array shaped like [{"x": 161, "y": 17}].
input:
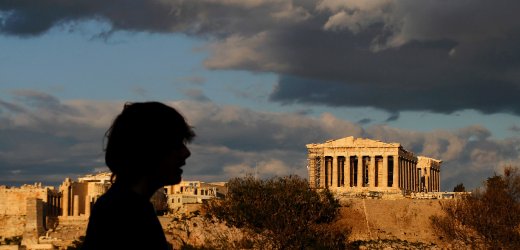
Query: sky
[{"x": 259, "y": 79}]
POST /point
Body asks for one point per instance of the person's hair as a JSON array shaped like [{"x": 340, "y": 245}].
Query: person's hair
[{"x": 141, "y": 136}]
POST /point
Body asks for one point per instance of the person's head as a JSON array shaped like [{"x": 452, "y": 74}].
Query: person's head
[{"x": 148, "y": 140}]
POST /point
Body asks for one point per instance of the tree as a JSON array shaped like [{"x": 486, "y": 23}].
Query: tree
[
  {"x": 283, "y": 213},
  {"x": 459, "y": 188},
  {"x": 490, "y": 217}
]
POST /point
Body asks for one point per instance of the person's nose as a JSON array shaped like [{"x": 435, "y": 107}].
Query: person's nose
[{"x": 187, "y": 152}]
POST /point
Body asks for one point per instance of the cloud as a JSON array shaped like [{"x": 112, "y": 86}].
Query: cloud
[
  {"x": 364, "y": 121},
  {"x": 140, "y": 91},
  {"x": 196, "y": 94},
  {"x": 197, "y": 80},
  {"x": 61, "y": 138},
  {"x": 514, "y": 128},
  {"x": 393, "y": 55},
  {"x": 393, "y": 117}
]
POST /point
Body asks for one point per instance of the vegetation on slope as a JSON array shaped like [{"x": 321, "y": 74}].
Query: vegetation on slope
[
  {"x": 280, "y": 213},
  {"x": 489, "y": 217}
]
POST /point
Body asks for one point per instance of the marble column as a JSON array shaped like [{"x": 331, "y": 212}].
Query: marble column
[
  {"x": 310, "y": 172},
  {"x": 395, "y": 163},
  {"x": 414, "y": 176},
  {"x": 87, "y": 206},
  {"x": 75, "y": 208},
  {"x": 401, "y": 172},
  {"x": 418, "y": 174},
  {"x": 438, "y": 180},
  {"x": 372, "y": 171},
  {"x": 65, "y": 204},
  {"x": 435, "y": 180},
  {"x": 405, "y": 175},
  {"x": 408, "y": 167},
  {"x": 384, "y": 180},
  {"x": 346, "y": 174},
  {"x": 323, "y": 177},
  {"x": 360, "y": 171},
  {"x": 334, "y": 171}
]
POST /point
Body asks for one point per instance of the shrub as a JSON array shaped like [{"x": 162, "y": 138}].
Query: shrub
[
  {"x": 459, "y": 188},
  {"x": 490, "y": 217},
  {"x": 283, "y": 213}
]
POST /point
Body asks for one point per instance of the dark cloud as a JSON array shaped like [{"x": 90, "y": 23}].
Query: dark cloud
[
  {"x": 487, "y": 97},
  {"x": 393, "y": 117},
  {"x": 393, "y": 55},
  {"x": 364, "y": 121}
]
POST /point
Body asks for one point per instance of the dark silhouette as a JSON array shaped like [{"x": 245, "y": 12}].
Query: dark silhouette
[
  {"x": 459, "y": 188},
  {"x": 145, "y": 150}
]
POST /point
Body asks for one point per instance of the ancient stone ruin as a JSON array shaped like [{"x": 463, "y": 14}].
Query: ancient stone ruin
[{"x": 353, "y": 165}]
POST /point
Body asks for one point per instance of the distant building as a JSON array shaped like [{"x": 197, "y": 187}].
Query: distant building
[
  {"x": 28, "y": 209},
  {"x": 362, "y": 165},
  {"x": 187, "y": 193},
  {"x": 78, "y": 196}
]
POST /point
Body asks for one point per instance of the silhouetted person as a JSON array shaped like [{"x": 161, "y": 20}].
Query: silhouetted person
[{"x": 145, "y": 150}]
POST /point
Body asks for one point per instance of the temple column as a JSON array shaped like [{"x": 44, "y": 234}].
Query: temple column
[
  {"x": 87, "y": 206},
  {"x": 360, "y": 171},
  {"x": 397, "y": 175},
  {"x": 75, "y": 208},
  {"x": 430, "y": 188},
  {"x": 426, "y": 181},
  {"x": 418, "y": 178},
  {"x": 323, "y": 178},
  {"x": 403, "y": 166},
  {"x": 334, "y": 171},
  {"x": 384, "y": 179},
  {"x": 310, "y": 170},
  {"x": 434, "y": 184},
  {"x": 408, "y": 174},
  {"x": 432, "y": 180},
  {"x": 372, "y": 171},
  {"x": 346, "y": 173},
  {"x": 412, "y": 170},
  {"x": 401, "y": 172},
  {"x": 438, "y": 180},
  {"x": 65, "y": 204},
  {"x": 414, "y": 176}
]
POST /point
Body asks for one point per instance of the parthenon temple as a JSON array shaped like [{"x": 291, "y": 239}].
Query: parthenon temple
[{"x": 358, "y": 165}]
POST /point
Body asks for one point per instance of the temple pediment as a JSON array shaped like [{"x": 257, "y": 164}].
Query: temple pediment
[{"x": 350, "y": 141}]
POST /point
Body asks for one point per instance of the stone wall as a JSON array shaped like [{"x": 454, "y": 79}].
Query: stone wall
[
  {"x": 11, "y": 225},
  {"x": 403, "y": 219},
  {"x": 34, "y": 225},
  {"x": 13, "y": 207},
  {"x": 13, "y": 199}
]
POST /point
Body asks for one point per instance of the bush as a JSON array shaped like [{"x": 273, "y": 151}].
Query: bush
[
  {"x": 282, "y": 213},
  {"x": 459, "y": 188},
  {"x": 490, "y": 217}
]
